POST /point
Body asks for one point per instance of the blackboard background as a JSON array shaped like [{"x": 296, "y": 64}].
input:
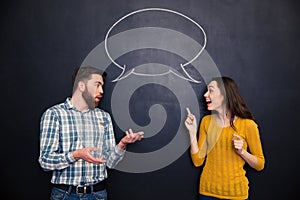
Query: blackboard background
[{"x": 255, "y": 42}]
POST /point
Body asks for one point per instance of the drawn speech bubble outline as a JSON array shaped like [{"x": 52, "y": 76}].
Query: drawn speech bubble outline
[{"x": 182, "y": 65}]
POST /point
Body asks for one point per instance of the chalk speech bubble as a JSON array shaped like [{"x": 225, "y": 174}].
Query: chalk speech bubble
[{"x": 125, "y": 74}]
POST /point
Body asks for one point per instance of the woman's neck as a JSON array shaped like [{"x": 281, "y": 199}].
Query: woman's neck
[{"x": 223, "y": 118}]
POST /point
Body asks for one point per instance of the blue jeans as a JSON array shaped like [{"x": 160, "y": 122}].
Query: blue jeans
[
  {"x": 59, "y": 194},
  {"x": 202, "y": 197}
]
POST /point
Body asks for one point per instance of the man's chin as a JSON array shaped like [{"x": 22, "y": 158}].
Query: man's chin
[
  {"x": 97, "y": 99},
  {"x": 92, "y": 105}
]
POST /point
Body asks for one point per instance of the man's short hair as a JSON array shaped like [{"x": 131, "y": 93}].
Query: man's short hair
[{"x": 84, "y": 73}]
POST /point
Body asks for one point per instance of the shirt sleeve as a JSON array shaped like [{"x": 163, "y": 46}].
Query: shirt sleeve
[
  {"x": 111, "y": 151},
  {"x": 254, "y": 144},
  {"x": 50, "y": 158}
]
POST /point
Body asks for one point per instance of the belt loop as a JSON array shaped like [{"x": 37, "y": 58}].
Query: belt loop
[{"x": 69, "y": 189}]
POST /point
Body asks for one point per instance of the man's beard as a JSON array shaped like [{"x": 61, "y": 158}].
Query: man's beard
[{"x": 89, "y": 99}]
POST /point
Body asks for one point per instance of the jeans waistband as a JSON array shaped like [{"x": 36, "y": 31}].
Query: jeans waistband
[{"x": 82, "y": 189}]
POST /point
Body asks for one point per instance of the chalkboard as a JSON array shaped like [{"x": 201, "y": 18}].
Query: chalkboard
[{"x": 168, "y": 51}]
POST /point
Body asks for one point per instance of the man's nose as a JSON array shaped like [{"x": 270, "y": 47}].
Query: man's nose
[
  {"x": 205, "y": 94},
  {"x": 100, "y": 90}
]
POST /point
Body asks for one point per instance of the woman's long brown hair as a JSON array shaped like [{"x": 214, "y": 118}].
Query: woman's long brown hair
[{"x": 233, "y": 99}]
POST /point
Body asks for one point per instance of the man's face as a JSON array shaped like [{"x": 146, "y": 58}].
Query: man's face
[{"x": 93, "y": 91}]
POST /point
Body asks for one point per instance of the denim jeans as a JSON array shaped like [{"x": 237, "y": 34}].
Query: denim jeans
[
  {"x": 59, "y": 194},
  {"x": 202, "y": 197}
]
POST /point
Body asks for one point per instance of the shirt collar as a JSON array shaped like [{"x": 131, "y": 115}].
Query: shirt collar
[{"x": 68, "y": 104}]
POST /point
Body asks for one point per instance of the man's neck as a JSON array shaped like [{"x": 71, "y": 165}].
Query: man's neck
[{"x": 79, "y": 103}]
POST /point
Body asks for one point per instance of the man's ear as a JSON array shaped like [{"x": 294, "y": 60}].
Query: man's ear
[{"x": 81, "y": 86}]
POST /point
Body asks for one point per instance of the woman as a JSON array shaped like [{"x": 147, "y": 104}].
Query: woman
[{"x": 228, "y": 138}]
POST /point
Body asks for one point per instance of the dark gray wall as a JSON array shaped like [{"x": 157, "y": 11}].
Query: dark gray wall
[{"x": 254, "y": 42}]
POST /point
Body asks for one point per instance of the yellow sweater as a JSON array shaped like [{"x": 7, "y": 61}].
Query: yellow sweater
[{"x": 223, "y": 175}]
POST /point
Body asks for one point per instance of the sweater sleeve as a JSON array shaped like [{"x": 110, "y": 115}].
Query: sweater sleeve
[
  {"x": 199, "y": 157},
  {"x": 254, "y": 144}
]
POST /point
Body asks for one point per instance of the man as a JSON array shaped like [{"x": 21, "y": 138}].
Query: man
[{"x": 77, "y": 141}]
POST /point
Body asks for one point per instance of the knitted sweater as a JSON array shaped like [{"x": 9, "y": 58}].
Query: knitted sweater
[{"x": 223, "y": 175}]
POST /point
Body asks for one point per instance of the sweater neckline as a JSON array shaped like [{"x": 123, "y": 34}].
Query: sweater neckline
[{"x": 215, "y": 121}]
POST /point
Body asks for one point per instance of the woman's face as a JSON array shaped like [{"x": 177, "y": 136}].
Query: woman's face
[{"x": 213, "y": 97}]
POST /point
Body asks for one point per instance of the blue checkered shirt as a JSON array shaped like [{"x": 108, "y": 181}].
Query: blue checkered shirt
[{"x": 64, "y": 129}]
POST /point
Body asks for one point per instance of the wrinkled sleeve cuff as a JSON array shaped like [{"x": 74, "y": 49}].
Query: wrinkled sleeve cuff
[
  {"x": 119, "y": 152},
  {"x": 70, "y": 158}
]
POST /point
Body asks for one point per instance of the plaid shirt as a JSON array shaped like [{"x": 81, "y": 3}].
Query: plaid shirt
[{"x": 64, "y": 129}]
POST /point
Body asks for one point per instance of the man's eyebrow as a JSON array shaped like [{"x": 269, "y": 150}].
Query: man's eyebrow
[
  {"x": 97, "y": 82},
  {"x": 101, "y": 83}
]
